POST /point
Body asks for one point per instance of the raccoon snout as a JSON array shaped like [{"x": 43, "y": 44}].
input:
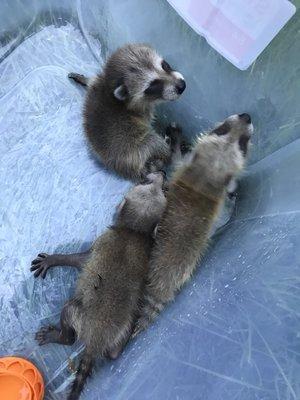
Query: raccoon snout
[
  {"x": 245, "y": 117},
  {"x": 180, "y": 86}
]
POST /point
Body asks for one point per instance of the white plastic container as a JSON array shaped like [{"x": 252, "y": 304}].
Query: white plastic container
[{"x": 238, "y": 29}]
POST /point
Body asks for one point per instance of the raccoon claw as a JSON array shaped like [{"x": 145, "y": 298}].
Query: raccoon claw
[
  {"x": 45, "y": 334},
  {"x": 40, "y": 265},
  {"x": 43, "y": 255}
]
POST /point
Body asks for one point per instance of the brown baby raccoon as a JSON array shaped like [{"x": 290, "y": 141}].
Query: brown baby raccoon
[
  {"x": 196, "y": 193},
  {"x": 119, "y": 110},
  {"x": 106, "y": 302}
]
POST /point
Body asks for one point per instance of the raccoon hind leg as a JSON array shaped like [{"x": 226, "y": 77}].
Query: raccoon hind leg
[{"x": 65, "y": 334}]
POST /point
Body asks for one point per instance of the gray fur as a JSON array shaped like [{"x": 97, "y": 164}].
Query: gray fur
[
  {"x": 119, "y": 106},
  {"x": 196, "y": 193},
  {"x": 111, "y": 281}
]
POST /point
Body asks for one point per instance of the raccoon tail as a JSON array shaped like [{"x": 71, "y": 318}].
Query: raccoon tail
[
  {"x": 84, "y": 371},
  {"x": 150, "y": 309}
]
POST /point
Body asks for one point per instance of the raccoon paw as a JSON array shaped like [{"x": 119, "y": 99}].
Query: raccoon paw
[
  {"x": 47, "y": 334},
  {"x": 40, "y": 265}
]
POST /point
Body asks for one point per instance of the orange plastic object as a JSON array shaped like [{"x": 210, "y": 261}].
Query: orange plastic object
[{"x": 20, "y": 380}]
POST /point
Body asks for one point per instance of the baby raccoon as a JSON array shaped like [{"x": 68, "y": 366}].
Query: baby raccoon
[
  {"x": 106, "y": 300},
  {"x": 119, "y": 106},
  {"x": 196, "y": 193}
]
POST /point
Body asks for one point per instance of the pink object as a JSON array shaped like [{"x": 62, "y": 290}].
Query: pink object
[{"x": 237, "y": 29}]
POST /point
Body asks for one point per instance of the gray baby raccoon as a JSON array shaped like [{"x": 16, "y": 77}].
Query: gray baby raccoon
[
  {"x": 196, "y": 193},
  {"x": 119, "y": 106},
  {"x": 106, "y": 302}
]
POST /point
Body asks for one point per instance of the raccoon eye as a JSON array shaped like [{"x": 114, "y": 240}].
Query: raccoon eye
[
  {"x": 165, "y": 66},
  {"x": 156, "y": 87}
]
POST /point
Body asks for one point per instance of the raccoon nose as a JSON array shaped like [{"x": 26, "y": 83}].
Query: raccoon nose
[
  {"x": 245, "y": 117},
  {"x": 180, "y": 86}
]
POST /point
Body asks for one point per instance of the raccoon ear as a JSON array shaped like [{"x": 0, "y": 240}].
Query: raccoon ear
[{"x": 121, "y": 92}]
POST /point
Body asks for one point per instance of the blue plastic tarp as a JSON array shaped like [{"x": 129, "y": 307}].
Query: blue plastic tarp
[{"x": 234, "y": 330}]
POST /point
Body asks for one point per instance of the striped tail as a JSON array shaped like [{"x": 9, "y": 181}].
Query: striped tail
[
  {"x": 150, "y": 310},
  {"x": 84, "y": 371}
]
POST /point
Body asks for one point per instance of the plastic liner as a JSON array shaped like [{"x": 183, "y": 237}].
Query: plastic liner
[{"x": 233, "y": 332}]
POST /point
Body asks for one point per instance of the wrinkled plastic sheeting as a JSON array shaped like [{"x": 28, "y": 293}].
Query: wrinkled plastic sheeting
[
  {"x": 233, "y": 332},
  {"x": 53, "y": 192}
]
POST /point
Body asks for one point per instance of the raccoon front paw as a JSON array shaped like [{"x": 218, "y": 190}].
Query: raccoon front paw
[
  {"x": 46, "y": 334},
  {"x": 40, "y": 265}
]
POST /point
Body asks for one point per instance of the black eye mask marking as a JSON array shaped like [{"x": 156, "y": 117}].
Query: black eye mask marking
[
  {"x": 166, "y": 67},
  {"x": 243, "y": 143},
  {"x": 155, "y": 88},
  {"x": 222, "y": 129}
]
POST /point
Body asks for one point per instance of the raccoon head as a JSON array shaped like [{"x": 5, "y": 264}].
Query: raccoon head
[
  {"x": 239, "y": 126},
  {"x": 219, "y": 156},
  {"x": 139, "y": 77},
  {"x": 144, "y": 204}
]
